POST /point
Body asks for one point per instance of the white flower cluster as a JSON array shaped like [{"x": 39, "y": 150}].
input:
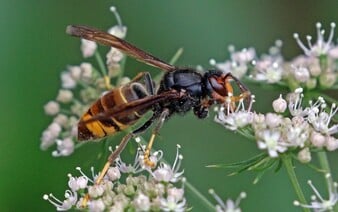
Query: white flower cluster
[
  {"x": 316, "y": 68},
  {"x": 138, "y": 191},
  {"x": 307, "y": 128},
  {"x": 80, "y": 86}
]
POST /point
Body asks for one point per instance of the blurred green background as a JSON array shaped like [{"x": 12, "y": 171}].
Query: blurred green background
[{"x": 35, "y": 49}]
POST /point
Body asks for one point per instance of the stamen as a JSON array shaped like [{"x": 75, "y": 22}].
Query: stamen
[
  {"x": 217, "y": 198},
  {"x": 83, "y": 174},
  {"x": 300, "y": 43},
  {"x": 308, "y": 38},
  {"x": 333, "y": 25},
  {"x": 315, "y": 191},
  {"x": 117, "y": 16},
  {"x": 212, "y": 62}
]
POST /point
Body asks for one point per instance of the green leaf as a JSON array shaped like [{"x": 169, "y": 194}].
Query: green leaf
[{"x": 249, "y": 162}]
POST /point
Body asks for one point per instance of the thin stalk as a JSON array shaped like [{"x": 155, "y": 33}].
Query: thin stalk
[
  {"x": 324, "y": 164},
  {"x": 208, "y": 205},
  {"x": 122, "y": 68},
  {"x": 101, "y": 64},
  {"x": 287, "y": 160}
]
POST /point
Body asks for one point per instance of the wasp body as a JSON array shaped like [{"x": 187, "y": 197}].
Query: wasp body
[{"x": 179, "y": 91}]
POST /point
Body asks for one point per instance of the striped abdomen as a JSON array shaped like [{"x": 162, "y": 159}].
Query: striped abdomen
[{"x": 116, "y": 97}]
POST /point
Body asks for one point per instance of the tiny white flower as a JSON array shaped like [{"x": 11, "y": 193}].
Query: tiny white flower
[
  {"x": 270, "y": 140},
  {"x": 65, "y": 147},
  {"x": 142, "y": 202},
  {"x": 229, "y": 205},
  {"x": 95, "y": 190},
  {"x": 76, "y": 183},
  {"x": 279, "y": 105},
  {"x": 67, "y": 204},
  {"x": 272, "y": 73},
  {"x": 86, "y": 71},
  {"x": 61, "y": 119},
  {"x": 235, "y": 120},
  {"x": 52, "y": 108},
  {"x": 321, "y": 120},
  {"x": 75, "y": 72},
  {"x": 244, "y": 56},
  {"x": 301, "y": 74},
  {"x": 88, "y": 48},
  {"x": 176, "y": 193},
  {"x": 331, "y": 143},
  {"x": 119, "y": 30},
  {"x": 327, "y": 79},
  {"x": 171, "y": 204},
  {"x": 67, "y": 80},
  {"x": 304, "y": 155},
  {"x": 64, "y": 96},
  {"x": 297, "y": 132},
  {"x": 167, "y": 173},
  {"x": 320, "y": 47},
  {"x": 113, "y": 173},
  {"x": 273, "y": 120},
  {"x": 96, "y": 205},
  {"x": 49, "y": 136},
  {"x": 317, "y": 139}
]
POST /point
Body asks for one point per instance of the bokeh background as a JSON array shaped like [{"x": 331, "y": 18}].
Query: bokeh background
[{"x": 34, "y": 49}]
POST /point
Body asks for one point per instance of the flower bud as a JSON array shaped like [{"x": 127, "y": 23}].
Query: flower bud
[
  {"x": 51, "y": 108},
  {"x": 88, "y": 48},
  {"x": 331, "y": 143},
  {"x": 279, "y": 105},
  {"x": 304, "y": 155},
  {"x": 317, "y": 139}
]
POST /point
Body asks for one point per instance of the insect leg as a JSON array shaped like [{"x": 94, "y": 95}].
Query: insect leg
[
  {"x": 118, "y": 151},
  {"x": 110, "y": 160},
  {"x": 156, "y": 129},
  {"x": 245, "y": 93}
]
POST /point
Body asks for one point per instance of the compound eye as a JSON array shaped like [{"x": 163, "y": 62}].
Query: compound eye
[{"x": 218, "y": 86}]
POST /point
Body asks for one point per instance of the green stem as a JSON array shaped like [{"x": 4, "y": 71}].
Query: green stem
[
  {"x": 122, "y": 68},
  {"x": 208, "y": 205},
  {"x": 101, "y": 64},
  {"x": 324, "y": 164},
  {"x": 287, "y": 161}
]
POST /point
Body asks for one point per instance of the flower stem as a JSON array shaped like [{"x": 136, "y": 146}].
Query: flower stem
[
  {"x": 324, "y": 164},
  {"x": 208, "y": 205},
  {"x": 287, "y": 161},
  {"x": 100, "y": 63}
]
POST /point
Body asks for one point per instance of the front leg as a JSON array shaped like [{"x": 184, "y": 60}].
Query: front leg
[{"x": 202, "y": 110}]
